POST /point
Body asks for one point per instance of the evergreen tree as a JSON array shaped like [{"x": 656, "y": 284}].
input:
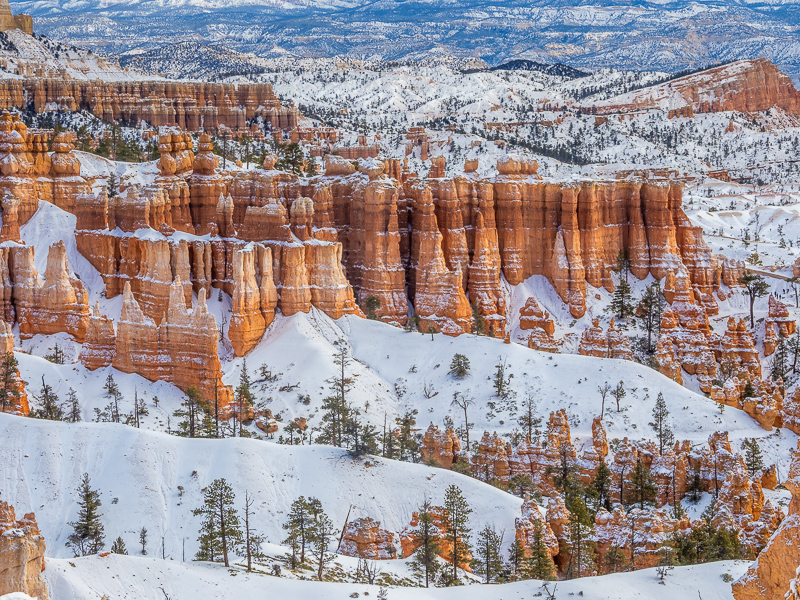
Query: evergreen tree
[
  {"x": 49, "y": 405},
  {"x": 581, "y": 548},
  {"x": 621, "y": 305},
  {"x": 753, "y": 458},
  {"x": 489, "y": 561},
  {"x": 298, "y": 527},
  {"x": 695, "y": 487},
  {"x": 118, "y": 547},
  {"x": 459, "y": 366},
  {"x": 220, "y": 531},
  {"x": 516, "y": 559},
  {"x": 143, "y": 540},
  {"x": 290, "y": 158},
  {"x": 641, "y": 489},
  {"x": 73, "y": 413},
  {"x": 613, "y": 559},
  {"x": 87, "y": 535},
  {"x": 322, "y": 533},
  {"x": 242, "y": 397},
  {"x": 779, "y": 363},
  {"x": 501, "y": 382},
  {"x": 455, "y": 522},
  {"x": 650, "y": 309},
  {"x": 112, "y": 390},
  {"x": 9, "y": 387},
  {"x": 529, "y": 421},
  {"x": 373, "y": 305},
  {"x": 337, "y": 411},
  {"x": 539, "y": 565},
  {"x": 619, "y": 393},
  {"x": 112, "y": 185},
  {"x": 190, "y": 413},
  {"x": 755, "y": 286},
  {"x": 660, "y": 424},
  {"x": 424, "y": 563},
  {"x": 602, "y": 487},
  {"x": 407, "y": 445}
]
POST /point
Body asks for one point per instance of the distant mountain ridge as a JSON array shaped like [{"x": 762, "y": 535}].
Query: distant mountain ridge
[{"x": 667, "y": 36}]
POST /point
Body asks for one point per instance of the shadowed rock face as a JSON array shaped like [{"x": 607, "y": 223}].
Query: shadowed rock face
[
  {"x": 22, "y": 550},
  {"x": 769, "y": 577}
]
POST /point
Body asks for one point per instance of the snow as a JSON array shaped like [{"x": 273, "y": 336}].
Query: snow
[{"x": 140, "y": 578}]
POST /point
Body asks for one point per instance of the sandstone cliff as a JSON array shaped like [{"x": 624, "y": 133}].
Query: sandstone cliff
[{"x": 22, "y": 550}]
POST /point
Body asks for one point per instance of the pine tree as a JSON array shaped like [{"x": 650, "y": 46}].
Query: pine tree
[
  {"x": 650, "y": 308},
  {"x": 112, "y": 390},
  {"x": 539, "y": 565},
  {"x": 621, "y": 305},
  {"x": 112, "y": 185},
  {"x": 298, "y": 527},
  {"x": 143, "y": 540},
  {"x": 322, "y": 533},
  {"x": 753, "y": 458},
  {"x": 459, "y": 366},
  {"x": 642, "y": 489},
  {"x": 581, "y": 548},
  {"x": 73, "y": 413},
  {"x": 190, "y": 413},
  {"x": 373, "y": 305},
  {"x": 424, "y": 563},
  {"x": 456, "y": 527},
  {"x": 602, "y": 486},
  {"x": 49, "y": 405},
  {"x": 118, "y": 547},
  {"x": 755, "y": 286},
  {"x": 87, "y": 532},
  {"x": 619, "y": 393},
  {"x": 9, "y": 387},
  {"x": 516, "y": 559},
  {"x": 220, "y": 531},
  {"x": 489, "y": 562},
  {"x": 660, "y": 424},
  {"x": 407, "y": 444},
  {"x": 337, "y": 411},
  {"x": 779, "y": 363}
]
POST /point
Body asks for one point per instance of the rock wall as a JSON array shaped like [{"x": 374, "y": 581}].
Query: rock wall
[
  {"x": 769, "y": 577},
  {"x": 189, "y": 105},
  {"x": 22, "y": 550}
]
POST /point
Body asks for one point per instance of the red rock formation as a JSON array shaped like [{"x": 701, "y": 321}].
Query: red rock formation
[
  {"x": 99, "y": 346},
  {"x": 533, "y": 523},
  {"x": 247, "y": 323},
  {"x": 22, "y": 551},
  {"x": 534, "y": 319},
  {"x": 769, "y": 577},
  {"x": 188, "y": 105},
  {"x": 485, "y": 288},
  {"x": 439, "y": 299},
  {"x": 779, "y": 317},
  {"x": 742, "y": 86},
  {"x": 440, "y": 446},
  {"x": 490, "y": 462},
  {"x": 58, "y": 304},
  {"x": 409, "y": 542},
  {"x": 364, "y": 538},
  {"x": 594, "y": 341},
  {"x": 737, "y": 347},
  {"x": 182, "y": 350}
]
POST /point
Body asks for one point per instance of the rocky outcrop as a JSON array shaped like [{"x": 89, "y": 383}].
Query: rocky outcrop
[
  {"x": 769, "y": 577},
  {"x": 99, "y": 346},
  {"x": 536, "y": 320},
  {"x": 440, "y": 447},
  {"x": 188, "y": 105},
  {"x": 22, "y": 551},
  {"x": 364, "y": 538},
  {"x": 60, "y": 303},
  {"x": 181, "y": 350},
  {"x": 16, "y": 398}
]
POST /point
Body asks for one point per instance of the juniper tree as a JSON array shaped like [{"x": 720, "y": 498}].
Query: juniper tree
[
  {"x": 660, "y": 424},
  {"x": 49, "y": 406},
  {"x": 424, "y": 563},
  {"x": 753, "y": 458},
  {"x": 220, "y": 530},
  {"x": 489, "y": 561},
  {"x": 9, "y": 388},
  {"x": 755, "y": 286},
  {"x": 87, "y": 535},
  {"x": 455, "y": 523},
  {"x": 118, "y": 547}
]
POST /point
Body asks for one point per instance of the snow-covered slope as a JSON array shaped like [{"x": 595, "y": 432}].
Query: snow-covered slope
[{"x": 133, "y": 578}]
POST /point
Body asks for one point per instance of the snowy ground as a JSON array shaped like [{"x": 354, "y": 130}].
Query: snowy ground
[{"x": 135, "y": 578}]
